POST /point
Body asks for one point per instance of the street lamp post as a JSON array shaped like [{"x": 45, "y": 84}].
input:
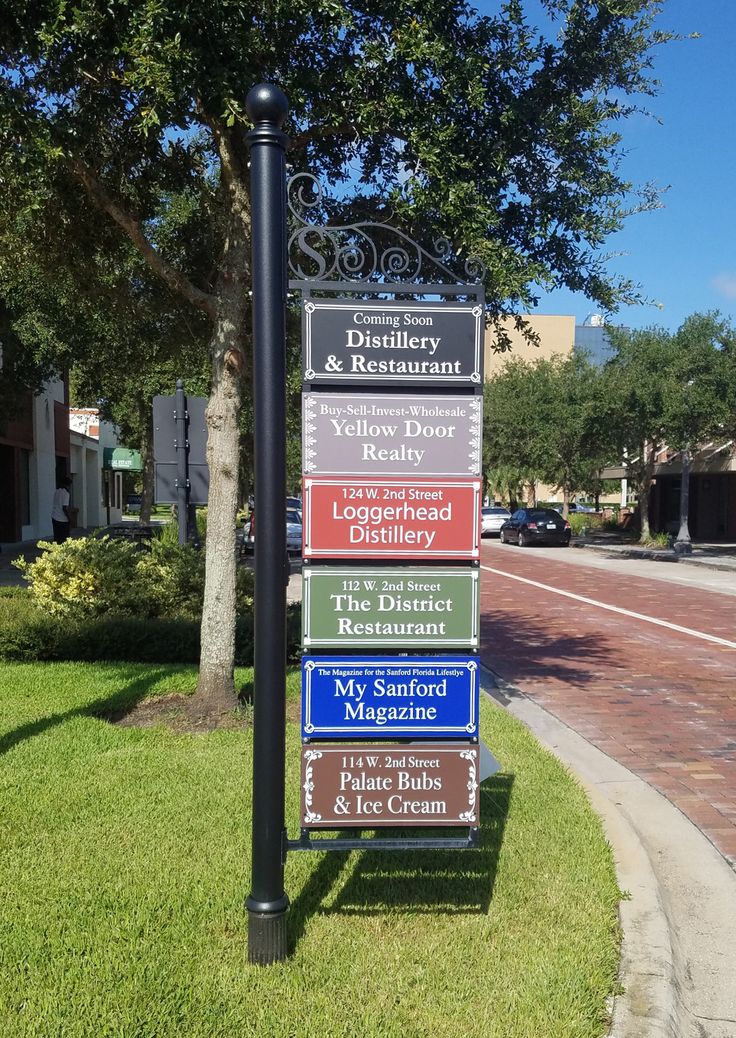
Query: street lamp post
[{"x": 684, "y": 545}]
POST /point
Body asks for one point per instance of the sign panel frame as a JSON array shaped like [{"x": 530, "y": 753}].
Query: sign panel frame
[
  {"x": 367, "y": 795},
  {"x": 425, "y": 577},
  {"x": 377, "y": 326},
  {"x": 391, "y": 518},
  {"x": 457, "y": 704},
  {"x": 345, "y": 435}
]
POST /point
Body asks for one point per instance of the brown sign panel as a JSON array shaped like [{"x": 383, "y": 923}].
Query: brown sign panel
[{"x": 368, "y": 786}]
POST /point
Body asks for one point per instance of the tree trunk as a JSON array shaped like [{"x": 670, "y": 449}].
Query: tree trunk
[
  {"x": 216, "y": 685},
  {"x": 531, "y": 493},
  {"x": 565, "y": 501},
  {"x": 645, "y": 485},
  {"x": 148, "y": 469}
]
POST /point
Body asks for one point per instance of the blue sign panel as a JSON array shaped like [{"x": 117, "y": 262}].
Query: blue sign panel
[{"x": 427, "y": 697}]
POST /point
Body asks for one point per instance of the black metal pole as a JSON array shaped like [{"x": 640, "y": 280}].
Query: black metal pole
[
  {"x": 182, "y": 461},
  {"x": 684, "y": 545},
  {"x": 267, "y": 902}
]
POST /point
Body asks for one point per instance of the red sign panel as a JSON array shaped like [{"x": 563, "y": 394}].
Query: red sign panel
[
  {"x": 391, "y": 518},
  {"x": 370, "y": 786}
]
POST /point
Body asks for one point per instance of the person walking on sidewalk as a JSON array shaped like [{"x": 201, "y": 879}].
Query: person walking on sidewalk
[{"x": 60, "y": 510}]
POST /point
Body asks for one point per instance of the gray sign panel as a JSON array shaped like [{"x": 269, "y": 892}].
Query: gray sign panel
[
  {"x": 166, "y": 492},
  {"x": 392, "y": 343},
  {"x": 387, "y": 435},
  {"x": 164, "y": 449},
  {"x": 164, "y": 429}
]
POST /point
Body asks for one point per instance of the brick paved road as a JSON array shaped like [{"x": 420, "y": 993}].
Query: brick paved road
[{"x": 660, "y": 701}]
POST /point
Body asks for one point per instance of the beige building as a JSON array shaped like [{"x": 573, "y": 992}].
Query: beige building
[{"x": 556, "y": 335}]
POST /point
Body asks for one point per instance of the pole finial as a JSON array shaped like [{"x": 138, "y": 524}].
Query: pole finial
[{"x": 265, "y": 103}]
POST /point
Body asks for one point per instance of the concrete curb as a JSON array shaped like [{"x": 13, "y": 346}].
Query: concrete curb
[
  {"x": 612, "y": 552},
  {"x": 678, "y": 926}
]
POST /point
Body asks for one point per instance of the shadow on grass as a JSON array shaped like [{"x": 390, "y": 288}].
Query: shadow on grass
[
  {"x": 115, "y": 705},
  {"x": 433, "y": 882}
]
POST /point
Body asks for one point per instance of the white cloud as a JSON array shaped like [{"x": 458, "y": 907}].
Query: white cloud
[{"x": 725, "y": 283}]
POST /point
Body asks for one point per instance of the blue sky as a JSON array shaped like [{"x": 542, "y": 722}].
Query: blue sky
[{"x": 683, "y": 255}]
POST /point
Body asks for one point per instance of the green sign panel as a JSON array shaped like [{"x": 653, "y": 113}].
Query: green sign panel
[
  {"x": 121, "y": 459},
  {"x": 402, "y": 607}
]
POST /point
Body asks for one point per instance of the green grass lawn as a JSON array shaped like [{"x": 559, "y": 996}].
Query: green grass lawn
[{"x": 124, "y": 862}]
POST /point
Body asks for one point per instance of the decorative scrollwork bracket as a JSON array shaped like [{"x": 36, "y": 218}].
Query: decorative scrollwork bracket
[{"x": 365, "y": 252}]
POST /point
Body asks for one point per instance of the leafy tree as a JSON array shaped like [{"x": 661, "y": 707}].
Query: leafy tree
[
  {"x": 636, "y": 384},
  {"x": 668, "y": 389},
  {"x": 550, "y": 418},
  {"x": 510, "y": 424},
  {"x": 594, "y": 487},
  {"x": 576, "y": 433},
  {"x": 506, "y": 483},
  {"x": 20, "y": 372},
  {"x": 115, "y": 115},
  {"x": 699, "y": 396}
]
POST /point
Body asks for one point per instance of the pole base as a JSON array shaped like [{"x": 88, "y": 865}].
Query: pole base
[
  {"x": 683, "y": 547},
  {"x": 267, "y": 937}
]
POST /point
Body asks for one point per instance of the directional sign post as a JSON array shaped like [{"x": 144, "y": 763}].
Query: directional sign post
[
  {"x": 392, "y": 343},
  {"x": 384, "y": 697},
  {"x": 267, "y": 903},
  {"x": 401, "y": 607},
  {"x": 386, "y": 435},
  {"x": 371, "y": 786},
  {"x": 392, "y": 519}
]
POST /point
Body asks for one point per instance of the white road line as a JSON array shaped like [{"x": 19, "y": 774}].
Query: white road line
[{"x": 615, "y": 609}]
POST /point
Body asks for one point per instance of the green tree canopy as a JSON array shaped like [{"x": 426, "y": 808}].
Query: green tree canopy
[
  {"x": 669, "y": 389},
  {"x": 550, "y": 420},
  {"x": 499, "y": 135}
]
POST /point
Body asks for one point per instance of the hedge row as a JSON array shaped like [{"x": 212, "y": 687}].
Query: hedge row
[{"x": 27, "y": 634}]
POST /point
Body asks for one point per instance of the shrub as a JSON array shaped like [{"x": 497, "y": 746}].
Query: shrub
[
  {"x": 171, "y": 580},
  {"x": 580, "y": 521},
  {"x": 244, "y": 590},
  {"x": 100, "y": 576},
  {"x": 84, "y": 576},
  {"x": 656, "y": 540},
  {"x": 29, "y": 634},
  {"x": 132, "y": 640}
]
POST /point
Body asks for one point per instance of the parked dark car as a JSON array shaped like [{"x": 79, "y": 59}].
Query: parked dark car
[{"x": 535, "y": 526}]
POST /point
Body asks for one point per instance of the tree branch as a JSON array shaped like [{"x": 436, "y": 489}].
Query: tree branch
[
  {"x": 316, "y": 133},
  {"x": 131, "y": 225},
  {"x": 231, "y": 166}
]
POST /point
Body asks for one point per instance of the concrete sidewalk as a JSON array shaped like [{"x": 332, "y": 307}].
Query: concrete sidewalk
[
  {"x": 9, "y": 575},
  {"x": 678, "y": 923},
  {"x": 704, "y": 555}
]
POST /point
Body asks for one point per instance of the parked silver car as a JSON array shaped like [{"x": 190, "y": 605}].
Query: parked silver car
[
  {"x": 492, "y": 519},
  {"x": 293, "y": 532}
]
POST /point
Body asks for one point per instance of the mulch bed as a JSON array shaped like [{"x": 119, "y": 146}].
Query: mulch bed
[{"x": 183, "y": 714}]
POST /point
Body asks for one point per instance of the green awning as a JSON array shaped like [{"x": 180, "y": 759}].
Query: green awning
[{"x": 121, "y": 458}]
